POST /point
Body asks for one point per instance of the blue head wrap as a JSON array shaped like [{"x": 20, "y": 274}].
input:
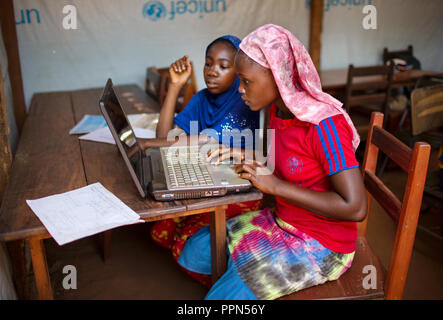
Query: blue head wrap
[{"x": 225, "y": 111}]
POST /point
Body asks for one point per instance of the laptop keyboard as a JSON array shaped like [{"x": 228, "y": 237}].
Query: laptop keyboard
[{"x": 187, "y": 168}]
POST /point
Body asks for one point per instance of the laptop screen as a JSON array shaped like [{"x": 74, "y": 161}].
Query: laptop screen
[
  {"x": 123, "y": 134},
  {"x": 118, "y": 118}
]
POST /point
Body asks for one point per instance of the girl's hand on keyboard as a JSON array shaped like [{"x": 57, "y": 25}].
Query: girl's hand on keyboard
[
  {"x": 223, "y": 153},
  {"x": 260, "y": 176}
]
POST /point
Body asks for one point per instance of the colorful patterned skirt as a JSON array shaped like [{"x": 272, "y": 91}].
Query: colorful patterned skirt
[
  {"x": 269, "y": 257},
  {"x": 173, "y": 233}
]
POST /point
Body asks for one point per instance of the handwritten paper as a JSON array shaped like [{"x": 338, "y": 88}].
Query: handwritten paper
[{"x": 82, "y": 212}]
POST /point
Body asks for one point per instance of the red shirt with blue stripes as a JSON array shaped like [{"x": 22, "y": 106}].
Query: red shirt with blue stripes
[{"x": 306, "y": 155}]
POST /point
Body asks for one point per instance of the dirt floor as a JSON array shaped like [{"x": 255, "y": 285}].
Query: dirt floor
[{"x": 139, "y": 269}]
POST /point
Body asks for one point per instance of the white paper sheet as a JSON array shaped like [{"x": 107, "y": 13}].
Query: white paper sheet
[
  {"x": 82, "y": 212},
  {"x": 100, "y": 135},
  {"x": 144, "y": 125}
]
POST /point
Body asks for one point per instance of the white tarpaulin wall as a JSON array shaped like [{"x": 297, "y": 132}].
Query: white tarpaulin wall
[{"x": 120, "y": 39}]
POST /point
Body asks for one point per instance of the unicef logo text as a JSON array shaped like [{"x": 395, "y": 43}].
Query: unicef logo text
[{"x": 156, "y": 10}]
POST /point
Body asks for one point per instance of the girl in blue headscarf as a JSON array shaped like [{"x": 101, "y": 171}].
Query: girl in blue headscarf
[
  {"x": 219, "y": 107},
  {"x": 216, "y": 110}
]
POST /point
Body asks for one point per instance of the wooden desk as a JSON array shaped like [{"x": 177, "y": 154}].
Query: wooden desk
[
  {"x": 335, "y": 80},
  {"x": 50, "y": 161}
]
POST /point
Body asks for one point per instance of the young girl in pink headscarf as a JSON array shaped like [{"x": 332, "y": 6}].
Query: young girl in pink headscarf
[{"x": 310, "y": 236}]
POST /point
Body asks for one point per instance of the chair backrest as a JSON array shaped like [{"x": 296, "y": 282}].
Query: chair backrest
[
  {"x": 368, "y": 85},
  {"x": 405, "y": 213},
  {"x": 157, "y": 83},
  {"x": 5, "y": 150},
  {"x": 388, "y": 55},
  {"x": 155, "y": 80}
]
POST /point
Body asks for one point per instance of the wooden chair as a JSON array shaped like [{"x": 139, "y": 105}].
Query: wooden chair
[
  {"x": 390, "y": 284},
  {"x": 368, "y": 89},
  {"x": 427, "y": 113},
  {"x": 421, "y": 129},
  {"x": 157, "y": 83},
  {"x": 427, "y": 125},
  {"x": 388, "y": 55}
]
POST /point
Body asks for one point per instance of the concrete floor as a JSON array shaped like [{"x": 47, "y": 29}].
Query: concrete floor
[{"x": 139, "y": 269}]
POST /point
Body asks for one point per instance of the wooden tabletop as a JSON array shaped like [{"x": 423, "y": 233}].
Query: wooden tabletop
[
  {"x": 336, "y": 79},
  {"x": 49, "y": 161}
]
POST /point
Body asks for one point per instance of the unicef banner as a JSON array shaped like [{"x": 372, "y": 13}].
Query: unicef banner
[{"x": 74, "y": 44}]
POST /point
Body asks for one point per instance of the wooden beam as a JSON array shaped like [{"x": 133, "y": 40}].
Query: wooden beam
[
  {"x": 316, "y": 26},
  {"x": 15, "y": 74},
  {"x": 5, "y": 149}
]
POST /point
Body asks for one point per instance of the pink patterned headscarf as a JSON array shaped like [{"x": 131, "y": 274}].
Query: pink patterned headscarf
[{"x": 275, "y": 48}]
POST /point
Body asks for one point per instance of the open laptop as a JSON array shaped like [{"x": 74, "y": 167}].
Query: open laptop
[{"x": 167, "y": 173}]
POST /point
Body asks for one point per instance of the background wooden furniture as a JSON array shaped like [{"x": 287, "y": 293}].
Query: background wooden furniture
[
  {"x": 426, "y": 121},
  {"x": 157, "y": 83},
  {"x": 388, "y": 55},
  {"x": 427, "y": 111},
  {"x": 390, "y": 284},
  {"x": 50, "y": 161},
  {"x": 366, "y": 97},
  {"x": 427, "y": 125},
  {"x": 335, "y": 80}
]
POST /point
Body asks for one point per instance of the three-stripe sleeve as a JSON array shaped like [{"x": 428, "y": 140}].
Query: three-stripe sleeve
[{"x": 335, "y": 145}]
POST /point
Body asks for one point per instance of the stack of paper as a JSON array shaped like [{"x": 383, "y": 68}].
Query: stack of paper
[{"x": 83, "y": 212}]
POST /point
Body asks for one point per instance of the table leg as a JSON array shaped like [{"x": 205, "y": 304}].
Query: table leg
[
  {"x": 40, "y": 266},
  {"x": 218, "y": 242},
  {"x": 17, "y": 253},
  {"x": 107, "y": 245}
]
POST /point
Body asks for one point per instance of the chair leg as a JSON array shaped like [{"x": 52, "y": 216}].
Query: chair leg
[
  {"x": 403, "y": 118},
  {"x": 382, "y": 168},
  {"x": 106, "y": 250}
]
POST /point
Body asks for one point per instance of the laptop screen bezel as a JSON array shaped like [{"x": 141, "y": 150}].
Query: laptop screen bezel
[{"x": 109, "y": 90}]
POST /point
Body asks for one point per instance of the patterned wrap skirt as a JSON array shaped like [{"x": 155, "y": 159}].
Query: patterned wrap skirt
[{"x": 270, "y": 257}]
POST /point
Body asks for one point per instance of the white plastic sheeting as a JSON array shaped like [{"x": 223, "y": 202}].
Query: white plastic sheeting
[
  {"x": 120, "y": 38},
  {"x": 7, "y": 291}
]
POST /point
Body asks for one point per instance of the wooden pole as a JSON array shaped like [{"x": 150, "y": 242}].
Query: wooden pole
[
  {"x": 316, "y": 26},
  {"x": 5, "y": 147},
  {"x": 15, "y": 73}
]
